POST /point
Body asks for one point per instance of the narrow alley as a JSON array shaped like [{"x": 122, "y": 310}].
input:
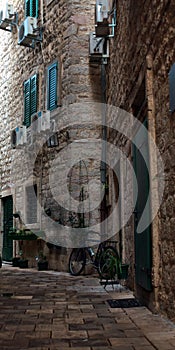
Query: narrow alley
[{"x": 53, "y": 310}]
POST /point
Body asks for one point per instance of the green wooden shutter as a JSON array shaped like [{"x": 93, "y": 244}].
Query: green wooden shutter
[
  {"x": 27, "y": 8},
  {"x": 27, "y": 103},
  {"x": 31, "y": 8},
  {"x": 33, "y": 94},
  {"x": 34, "y": 8},
  {"x": 52, "y": 79},
  {"x": 30, "y": 98},
  {"x": 172, "y": 88}
]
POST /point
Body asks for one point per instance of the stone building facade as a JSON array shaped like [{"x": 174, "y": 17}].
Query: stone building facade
[
  {"x": 60, "y": 54},
  {"x": 140, "y": 81}
]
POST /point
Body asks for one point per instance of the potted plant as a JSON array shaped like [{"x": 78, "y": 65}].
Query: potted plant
[
  {"x": 15, "y": 261},
  {"x": 22, "y": 262},
  {"x": 124, "y": 272},
  {"x": 22, "y": 234},
  {"x": 42, "y": 262},
  {"x": 111, "y": 266}
]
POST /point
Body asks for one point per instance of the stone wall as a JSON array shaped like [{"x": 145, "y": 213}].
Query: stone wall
[
  {"x": 143, "y": 43},
  {"x": 66, "y": 27}
]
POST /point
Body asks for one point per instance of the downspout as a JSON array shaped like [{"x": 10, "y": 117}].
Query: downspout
[
  {"x": 104, "y": 139},
  {"x": 104, "y": 129}
]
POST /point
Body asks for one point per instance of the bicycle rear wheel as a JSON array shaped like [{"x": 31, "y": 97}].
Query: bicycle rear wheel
[
  {"x": 109, "y": 265},
  {"x": 77, "y": 261}
]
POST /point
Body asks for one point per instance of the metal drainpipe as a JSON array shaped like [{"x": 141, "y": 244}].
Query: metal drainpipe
[{"x": 104, "y": 138}]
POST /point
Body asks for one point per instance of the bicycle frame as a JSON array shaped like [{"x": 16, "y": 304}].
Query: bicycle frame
[
  {"x": 80, "y": 257},
  {"x": 95, "y": 256}
]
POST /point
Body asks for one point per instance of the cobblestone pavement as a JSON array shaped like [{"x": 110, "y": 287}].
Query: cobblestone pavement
[{"x": 51, "y": 310}]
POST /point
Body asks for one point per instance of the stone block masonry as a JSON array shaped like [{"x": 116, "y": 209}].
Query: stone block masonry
[
  {"x": 142, "y": 49},
  {"x": 66, "y": 27}
]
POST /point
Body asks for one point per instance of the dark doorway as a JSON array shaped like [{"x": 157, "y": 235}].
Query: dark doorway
[
  {"x": 7, "y": 251},
  {"x": 143, "y": 245}
]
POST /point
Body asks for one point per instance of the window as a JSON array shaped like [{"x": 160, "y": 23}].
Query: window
[
  {"x": 31, "y": 8},
  {"x": 30, "y": 98},
  {"x": 172, "y": 88},
  {"x": 31, "y": 204},
  {"x": 52, "y": 86}
]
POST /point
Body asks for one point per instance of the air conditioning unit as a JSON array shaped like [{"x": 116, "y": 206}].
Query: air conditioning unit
[
  {"x": 98, "y": 48},
  {"x": 18, "y": 136},
  {"x": 47, "y": 120},
  {"x": 103, "y": 10},
  {"x": 27, "y": 31},
  {"x": 34, "y": 123},
  {"x": 21, "y": 135},
  {"x": 6, "y": 14},
  {"x": 43, "y": 121},
  {"x": 96, "y": 45},
  {"x": 40, "y": 121}
]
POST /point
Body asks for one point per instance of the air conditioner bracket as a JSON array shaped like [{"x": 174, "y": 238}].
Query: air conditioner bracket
[
  {"x": 107, "y": 30},
  {"x": 8, "y": 24},
  {"x": 35, "y": 39}
]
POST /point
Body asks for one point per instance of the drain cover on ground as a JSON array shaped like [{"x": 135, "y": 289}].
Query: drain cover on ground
[{"x": 123, "y": 303}]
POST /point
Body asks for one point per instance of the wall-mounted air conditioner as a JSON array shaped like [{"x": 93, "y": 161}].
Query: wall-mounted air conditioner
[
  {"x": 96, "y": 45},
  {"x": 6, "y": 14},
  {"x": 22, "y": 135},
  {"x": 41, "y": 121},
  {"x": 27, "y": 31},
  {"x": 104, "y": 17},
  {"x": 34, "y": 123},
  {"x": 102, "y": 10},
  {"x": 18, "y": 136},
  {"x": 98, "y": 48}
]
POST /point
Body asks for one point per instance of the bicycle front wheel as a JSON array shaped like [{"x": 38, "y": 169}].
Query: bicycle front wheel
[
  {"x": 77, "y": 261},
  {"x": 109, "y": 265}
]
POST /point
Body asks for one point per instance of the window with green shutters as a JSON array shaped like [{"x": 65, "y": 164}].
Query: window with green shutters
[
  {"x": 31, "y": 8},
  {"x": 172, "y": 88},
  {"x": 30, "y": 98},
  {"x": 52, "y": 86}
]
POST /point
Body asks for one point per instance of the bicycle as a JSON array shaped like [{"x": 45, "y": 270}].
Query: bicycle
[{"x": 106, "y": 260}]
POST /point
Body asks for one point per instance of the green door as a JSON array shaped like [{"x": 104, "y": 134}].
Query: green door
[
  {"x": 143, "y": 249},
  {"x": 7, "y": 251}
]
